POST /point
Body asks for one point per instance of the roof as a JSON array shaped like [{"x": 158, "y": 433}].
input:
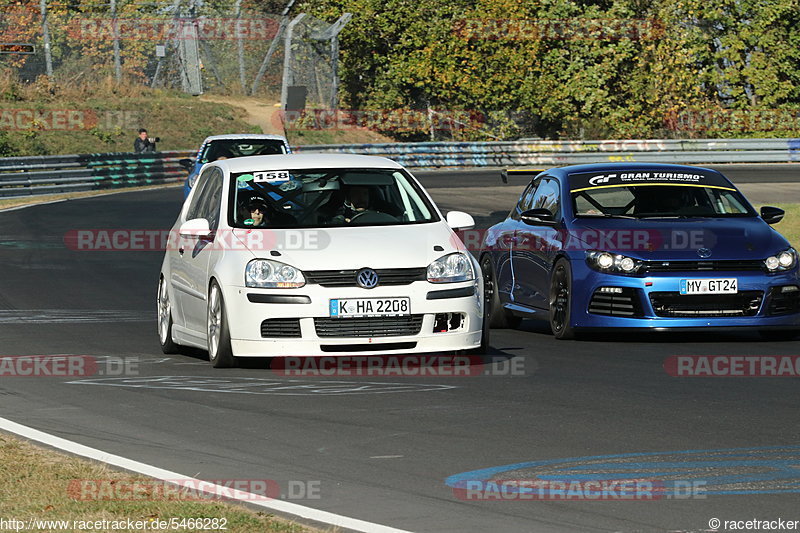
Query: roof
[
  {"x": 304, "y": 161},
  {"x": 606, "y": 167},
  {"x": 252, "y": 136}
]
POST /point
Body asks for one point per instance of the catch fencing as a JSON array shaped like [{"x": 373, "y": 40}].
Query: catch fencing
[{"x": 51, "y": 174}]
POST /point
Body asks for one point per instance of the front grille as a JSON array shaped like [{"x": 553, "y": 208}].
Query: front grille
[
  {"x": 371, "y": 347},
  {"x": 379, "y": 326},
  {"x": 347, "y": 278},
  {"x": 625, "y": 303},
  {"x": 675, "y": 304},
  {"x": 783, "y": 303},
  {"x": 280, "y": 328},
  {"x": 701, "y": 266}
]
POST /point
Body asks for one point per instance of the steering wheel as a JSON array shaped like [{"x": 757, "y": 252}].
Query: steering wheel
[{"x": 373, "y": 217}]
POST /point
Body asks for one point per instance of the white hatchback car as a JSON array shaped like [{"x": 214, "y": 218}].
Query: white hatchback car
[{"x": 308, "y": 255}]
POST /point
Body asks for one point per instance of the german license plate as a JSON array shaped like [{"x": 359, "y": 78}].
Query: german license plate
[
  {"x": 709, "y": 286},
  {"x": 360, "y": 307}
]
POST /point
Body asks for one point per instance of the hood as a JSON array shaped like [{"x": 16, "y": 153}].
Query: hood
[
  {"x": 405, "y": 246},
  {"x": 680, "y": 239}
]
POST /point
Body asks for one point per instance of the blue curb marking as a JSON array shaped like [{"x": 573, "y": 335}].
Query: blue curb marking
[{"x": 778, "y": 464}]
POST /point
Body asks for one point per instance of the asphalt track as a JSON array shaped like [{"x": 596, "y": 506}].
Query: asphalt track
[{"x": 383, "y": 449}]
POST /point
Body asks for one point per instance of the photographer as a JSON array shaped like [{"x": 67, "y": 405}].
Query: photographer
[{"x": 144, "y": 144}]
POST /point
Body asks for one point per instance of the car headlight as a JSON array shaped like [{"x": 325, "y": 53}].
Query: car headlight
[
  {"x": 191, "y": 180},
  {"x": 451, "y": 268},
  {"x": 264, "y": 273},
  {"x": 781, "y": 261},
  {"x": 614, "y": 263}
]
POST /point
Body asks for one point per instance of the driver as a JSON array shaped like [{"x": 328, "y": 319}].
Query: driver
[
  {"x": 258, "y": 209},
  {"x": 356, "y": 201}
]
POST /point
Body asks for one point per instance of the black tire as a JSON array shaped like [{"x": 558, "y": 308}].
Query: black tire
[
  {"x": 494, "y": 314},
  {"x": 778, "y": 334},
  {"x": 164, "y": 314},
  {"x": 483, "y": 348},
  {"x": 219, "y": 338},
  {"x": 561, "y": 301}
]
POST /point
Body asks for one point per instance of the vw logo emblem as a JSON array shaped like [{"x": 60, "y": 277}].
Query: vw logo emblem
[
  {"x": 704, "y": 253},
  {"x": 367, "y": 278}
]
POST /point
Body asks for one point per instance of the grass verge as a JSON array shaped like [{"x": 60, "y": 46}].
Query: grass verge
[
  {"x": 35, "y": 485},
  {"x": 789, "y": 227}
]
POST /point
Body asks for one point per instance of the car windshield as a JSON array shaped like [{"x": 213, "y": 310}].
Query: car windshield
[
  {"x": 327, "y": 197},
  {"x": 660, "y": 201},
  {"x": 230, "y": 148}
]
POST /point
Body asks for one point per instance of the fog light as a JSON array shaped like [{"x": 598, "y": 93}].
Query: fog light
[{"x": 789, "y": 288}]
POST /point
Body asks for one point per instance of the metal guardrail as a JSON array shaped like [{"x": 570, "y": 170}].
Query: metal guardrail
[
  {"x": 23, "y": 176},
  {"x": 48, "y": 174},
  {"x": 555, "y": 153}
]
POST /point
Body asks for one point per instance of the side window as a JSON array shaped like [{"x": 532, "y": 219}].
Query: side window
[
  {"x": 546, "y": 196},
  {"x": 195, "y": 208},
  {"x": 524, "y": 200},
  {"x": 213, "y": 195}
]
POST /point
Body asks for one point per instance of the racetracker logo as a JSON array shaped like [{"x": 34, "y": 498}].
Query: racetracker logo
[
  {"x": 621, "y": 240},
  {"x": 143, "y": 240},
  {"x": 574, "y": 29},
  {"x": 398, "y": 120},
  {"x": 595, "y": 489},
  {"x": 161, "y": 30},
  {"x": 193, "y": 490},
  {"x": 733, "y": 120},
  {"x": 409, "y": 366},
  {"x": 66, "y": 119},
  {"x": 733, "y": 366},
  {"x": 60, "y": 366}
]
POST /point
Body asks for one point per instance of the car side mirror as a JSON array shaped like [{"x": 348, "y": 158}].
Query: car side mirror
[
  {"x": 188, "y": 164},
  {"x": 772, "y": 215},
  {"x": 538, "y": 217},
  {"x": 459, "y": 220},
  {"x": 196, "y": 227}
]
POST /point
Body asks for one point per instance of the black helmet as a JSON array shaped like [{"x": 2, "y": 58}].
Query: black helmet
[{"x": 256, "y": 202}]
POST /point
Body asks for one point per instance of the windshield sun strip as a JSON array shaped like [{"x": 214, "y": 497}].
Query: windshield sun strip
[{"x": 663, "y": 184}]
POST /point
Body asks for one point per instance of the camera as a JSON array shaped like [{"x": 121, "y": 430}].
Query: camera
[{"x": 154, "y": 139}]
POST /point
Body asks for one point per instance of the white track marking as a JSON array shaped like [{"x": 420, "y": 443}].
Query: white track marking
[{"x": 166, "y": 475}]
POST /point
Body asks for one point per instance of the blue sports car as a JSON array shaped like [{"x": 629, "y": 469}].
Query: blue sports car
[{"x": 640, "y": 245}]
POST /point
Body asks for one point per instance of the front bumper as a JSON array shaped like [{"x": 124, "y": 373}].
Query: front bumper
[
  {"x": 653, "y": 301},
  {"x": 246, "y": 313}
]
